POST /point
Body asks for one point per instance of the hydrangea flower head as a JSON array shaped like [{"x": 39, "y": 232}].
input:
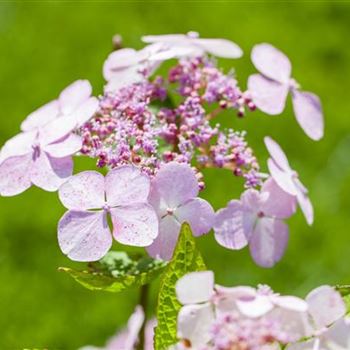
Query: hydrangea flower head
[
  {"x": 270, "y": 89},
  {"x": 83, "y": 231}
]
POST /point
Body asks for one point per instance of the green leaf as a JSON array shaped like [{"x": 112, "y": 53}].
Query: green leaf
[
  {"x": 186, "y": 258},
  {"x": 116, "y": 272}
]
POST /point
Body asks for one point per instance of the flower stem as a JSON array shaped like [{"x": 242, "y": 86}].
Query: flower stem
[{"x": 143, "y": 302}]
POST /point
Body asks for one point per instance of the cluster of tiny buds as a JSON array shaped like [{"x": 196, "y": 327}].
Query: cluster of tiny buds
[{"x": 139, "y": 124}]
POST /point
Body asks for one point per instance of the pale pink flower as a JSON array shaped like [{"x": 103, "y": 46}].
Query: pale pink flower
[
  {"x": 270, "y": 89},
  {"x": 257, "y": 219},
  {"x": 197, "y": 46},
  {"x": 205, "y": 306},
  {"x": 83, "y": 231},
  {"x": 173, "y": 194},
  {"x": 74, "y": 104},
  {"x": 41, "y": 154},
  {"x": 287, "y": 178},
  {"x": 330, "y": 330}
]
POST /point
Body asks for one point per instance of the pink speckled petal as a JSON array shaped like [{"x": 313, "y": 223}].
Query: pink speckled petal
[
  {"x": 198, "y": 213},
  {"x": 83, "y": 191},
  {"x": 84, "y": 235},
  {"x": 194, "y": 323},
  {"x": 174, "y": 184},
  {"x": 15, "y": 175},
  {"x": 18, "y": 145},
  {"x": 279, "y": 203},
  {"x": 41, "y": 116},
  {"x": 269, "y": 241},
  {"x": 68, "y": 146},
  {"x": 228, "y": 226},
  {"x": 50, "y": 173},
  {"x": 74, "y": 95},
  {"x": 325, "y": 306},
  {"x": 220, "y": 47},
  {"x": 306, "y": 206},
  {"x": 271, "y": 62},
  {"x": 277, "y": 153},
  {"x": 164, "y": 245},
  {"x": 135, "y": 225},
  {"x": 195, "y": 287},
  {"x": 308, "y": 112},
  {"x": 282, "y": 178},
  {"x": 126, "y": 185},
  {"x": 268, "y": 95}
]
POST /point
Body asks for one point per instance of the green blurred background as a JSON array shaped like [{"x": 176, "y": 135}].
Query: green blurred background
[{"x": 47, "y": 45}]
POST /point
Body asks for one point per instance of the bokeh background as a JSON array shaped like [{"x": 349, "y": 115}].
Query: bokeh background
[{"x": 46, "y": 45}]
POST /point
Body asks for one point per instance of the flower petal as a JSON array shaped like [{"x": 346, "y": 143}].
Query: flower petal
[
  {"x": 164, "y": 245},
  {"x": 135, "y": 225},
  {"x": 195, "y": 287},
  {"x": 18, "y": 145},
  {"x": 228, "y": 226},
  {"x": 277, "y": 154},
  {"x": 271, "y": 62},
  {"x": 269, "y": 241},
  {"x": 15, "y": 175},
  {"x": 84, "y": 235},
  {"x": 268, "y": 95},
  {"x": 50, "y": 173},
  {"x": 279, "y": 204},
  {"x": 219, "y": 47},
  {"x": 66, "y": 147},
  {"x": 325, "y": 306},
  {"x": 174, "y": 184},
  {"x": 74, "y": 95},
  {"x": 306, "y": 207},
  {"x": 308, "y": 112},
  {"x": 256, "y": 307},
  {"x": 194, "y": 322},
  {"x": 85, "y": 111},
  {"x": 83, "y": 191},
  {"x": 290, "y": 303},
  {"x": 119, "y": 60},
  {"x": 198, "y": 213},
  {"x": 41, "y": 116},
  {"x": 282, "y": 178},
  {"x": 126, "y": 185},
  {"x": 339, "y": 335}
]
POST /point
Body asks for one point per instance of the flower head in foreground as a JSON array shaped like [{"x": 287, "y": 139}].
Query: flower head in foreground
[
  {"x": 218, "y": 318},
  {"x": 257, "y": 219},
  {"x": 329, "y": 329},
  {"x": 173, "y": 194},
  {"x": 287, "y": 178},
  {"x": 270, "y": 89},
  {"x": 83, "y": 231},
  {"x": 128, "y": 338},
  {"x": 41, "y": 154}
]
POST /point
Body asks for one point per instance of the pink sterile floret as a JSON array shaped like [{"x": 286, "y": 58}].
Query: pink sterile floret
[{"x": 83, "y": 231}]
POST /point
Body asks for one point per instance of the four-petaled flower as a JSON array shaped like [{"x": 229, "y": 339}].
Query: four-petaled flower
[
  {"x": 41, "y": 153},
  {"x": 270, "y": 89},
  {"x": 83, "y": 231},
  {"x": 257, "y": 219},
  {"x": 287, "y": 178},
  {"x": 173, "y": 194}
]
